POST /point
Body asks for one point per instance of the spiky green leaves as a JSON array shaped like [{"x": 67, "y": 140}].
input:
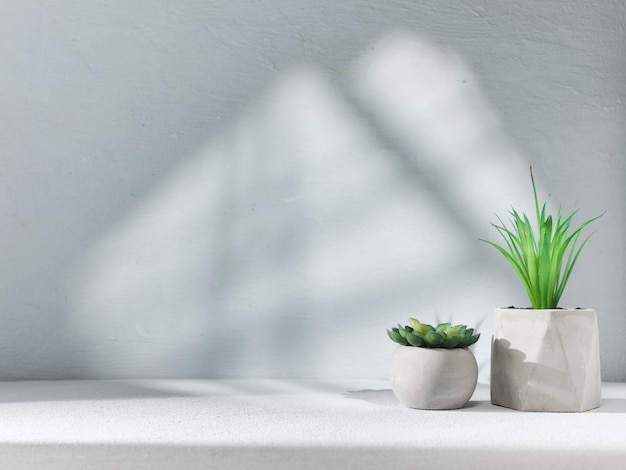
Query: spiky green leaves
[
  {"x": 538, "y": 258},
  {"x": 444, "y": 335}
]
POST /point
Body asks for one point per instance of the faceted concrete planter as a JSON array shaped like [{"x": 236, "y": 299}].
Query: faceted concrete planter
[
  {"x": 545, "y": 360},
  {"x": 433, "y": 379}
]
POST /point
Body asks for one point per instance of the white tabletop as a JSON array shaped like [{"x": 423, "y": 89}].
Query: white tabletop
[{"x": 289, "y": 424}]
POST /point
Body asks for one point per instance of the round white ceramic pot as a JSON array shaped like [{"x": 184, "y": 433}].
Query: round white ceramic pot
[{"x": 433, "y": 379}]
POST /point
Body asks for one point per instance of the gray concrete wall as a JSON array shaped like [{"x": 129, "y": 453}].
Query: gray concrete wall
[{"x": 239, "y": 188}]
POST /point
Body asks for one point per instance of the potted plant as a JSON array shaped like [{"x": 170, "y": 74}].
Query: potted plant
[
  {"x": 544, "y": 358},
  {"x": 432, "y": 367}
]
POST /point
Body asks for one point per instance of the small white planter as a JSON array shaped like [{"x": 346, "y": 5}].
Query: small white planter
[
  {"x": 545, "y": 360},
  {"x": 433, "y": 379}
]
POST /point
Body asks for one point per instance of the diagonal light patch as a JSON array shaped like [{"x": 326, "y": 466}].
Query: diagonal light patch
[
  {"x": 293, "y": 218},
  {"x": 139, "y": 293},
  {"x": 297, "y": 224},
  {"x": 428, "y": 100}
]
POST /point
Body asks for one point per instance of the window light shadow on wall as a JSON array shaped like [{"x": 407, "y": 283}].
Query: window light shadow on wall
[{"x": 328, "y": 212}]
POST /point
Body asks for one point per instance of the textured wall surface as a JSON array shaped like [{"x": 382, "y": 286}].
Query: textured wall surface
[{"x": 249, "y": 188}]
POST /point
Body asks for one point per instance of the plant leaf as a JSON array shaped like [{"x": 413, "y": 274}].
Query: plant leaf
[
  {"x": 415, "y": 340},
  {"x": 537, "y": 258},
  {"x": 395, "y": 336}
]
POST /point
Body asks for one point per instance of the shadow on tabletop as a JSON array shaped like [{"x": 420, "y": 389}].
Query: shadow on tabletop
[
  {"x": 386, "y": 398},
  {"x": 70, "y": 390},
  {"x": 611, "y": 405},
  {"x": 42, "y": 391},
  {"x": 128, "y": 389}
]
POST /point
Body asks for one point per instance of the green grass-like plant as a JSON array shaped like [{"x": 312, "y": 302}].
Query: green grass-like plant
[
  {"x": 422, "y": 335},
  {"x": 538, "y": 258}
]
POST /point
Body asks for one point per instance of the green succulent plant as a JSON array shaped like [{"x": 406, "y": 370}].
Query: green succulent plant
[
  {"x": 538, "y": 258},
  {"x": 444, "y": 335}
]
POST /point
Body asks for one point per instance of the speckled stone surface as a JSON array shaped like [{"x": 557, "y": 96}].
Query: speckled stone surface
[{"x": 274, "y": 424}]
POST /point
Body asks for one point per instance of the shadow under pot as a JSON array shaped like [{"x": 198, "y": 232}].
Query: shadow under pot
[{"x": 433, "y": 378}]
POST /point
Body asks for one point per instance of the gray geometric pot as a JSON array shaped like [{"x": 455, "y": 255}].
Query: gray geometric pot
[
  {"x": 545, "y": 360},
  {"x": 433, "y": 379}
]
